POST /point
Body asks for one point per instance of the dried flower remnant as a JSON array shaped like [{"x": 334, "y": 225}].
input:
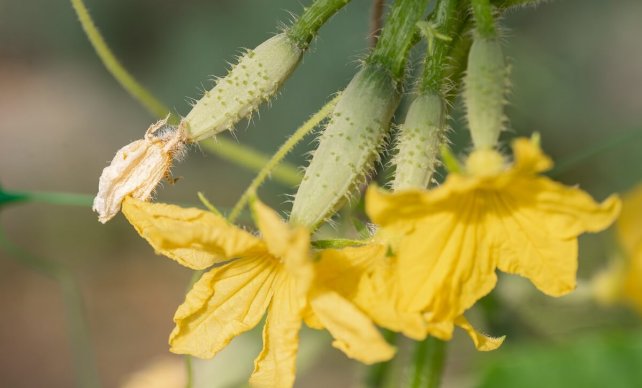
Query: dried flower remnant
[{"x": 138, "y": 168}]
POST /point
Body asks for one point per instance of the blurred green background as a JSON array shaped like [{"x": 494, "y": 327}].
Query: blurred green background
[{"x": 577, "y": 77}]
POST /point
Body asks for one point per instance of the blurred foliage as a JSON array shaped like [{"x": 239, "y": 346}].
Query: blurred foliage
[
  {"x": 607, "y": 360},
  {"x": 575, "y": 64}
]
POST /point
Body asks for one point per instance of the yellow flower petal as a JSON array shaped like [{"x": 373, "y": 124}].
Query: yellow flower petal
[
  {"x": 536, "y": 227},
  {"x": 276, "y": 364},
  {"x": 529, "y": 158},
  {"x": 225, "y": 302},
  {"x": 341, "y": 269},
  {"x": 352, "y": 330},
  {"x": 482, "y": 342},
  {"x": 404, "y": 207},
  {"x": 632, "y": 289},
  {"x": 311, "y": 319},
  {"x": 289, "y": 244},
  {"x": 566, "y": 212},
  {"x": 401, "y": 207},
  {"x": 165, "y": 372},
  {"x": 629, "y": 225},
  {"x": 442, "y": 330},
  {"x": 341, "y": 273},
  {"x": 528, "y": 248},
  {"x": 195, "y": 238},
  {"x": 447, "y": 263},
  {"x": 607, "y": 286},
  {"x": 622, "y": 280},
  {"x": 366, "y": 277}
]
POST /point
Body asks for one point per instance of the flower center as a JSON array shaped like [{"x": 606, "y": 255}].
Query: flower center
[{"x": 484, "y": 162}]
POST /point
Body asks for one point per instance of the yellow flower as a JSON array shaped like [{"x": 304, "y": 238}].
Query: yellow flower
[
  {"x": 251, "y": 275},
  {"x": 622, "y": 280},
  {"x": 629, "y": 225},
  {"x": 629, "y": 230},
  {"x": 632, "y": 284},
  {"x": 449, "y": 241},
  {"x": 164, "y": 372},
  {"x": 367, "y": 276}
]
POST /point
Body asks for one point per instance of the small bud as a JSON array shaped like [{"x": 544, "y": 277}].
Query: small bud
[
  {"x": 419, "y": 142},
  {"x": 254, "y": 79},
  {"x": 348, "y": 147},
  {"x": 137, "y": 168},
  {"x": 486, "y": 85}
]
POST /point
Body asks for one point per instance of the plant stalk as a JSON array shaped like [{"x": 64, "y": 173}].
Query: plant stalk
[{"x": 428, "y": 363}]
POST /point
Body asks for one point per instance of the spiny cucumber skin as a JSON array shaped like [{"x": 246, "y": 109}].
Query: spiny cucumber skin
[
  {"x": 254, "y": 79},
  {"x": 348, "y": 147},
  {"x": 418, "y": 143},
  {"x": 486, "y": 85}
]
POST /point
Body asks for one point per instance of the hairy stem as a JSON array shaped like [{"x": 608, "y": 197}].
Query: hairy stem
[
  {"x": 428, "y": 363},
  {"x": 377, "y": 375},
  {"x": 397, "y": 36},
  {"x": 516, "y": 3},
  {"x": 295, "y": 138},
  {"x": 484, "y": 20},
  {"x": 284, "y": 173},
  {"x": 306, "y": 26},
  {"x": 446, "y": 20},
  {"x": 115, "y": 68}
]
